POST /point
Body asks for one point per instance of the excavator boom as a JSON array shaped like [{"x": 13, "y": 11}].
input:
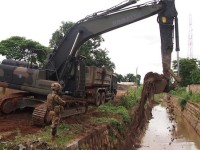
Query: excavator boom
[
  {"x": 65, "y": 66},
  {"x": 63, "y": 59}
]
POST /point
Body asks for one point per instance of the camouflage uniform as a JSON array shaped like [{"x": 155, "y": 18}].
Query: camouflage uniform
[{"x": 55, "y": 107}]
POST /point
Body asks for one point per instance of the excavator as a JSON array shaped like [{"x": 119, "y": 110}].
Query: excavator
[{"x": 67, "y": 67}]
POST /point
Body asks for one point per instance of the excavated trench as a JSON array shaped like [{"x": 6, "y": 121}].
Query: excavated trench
[
  {"x": 169, "y": 131},
  {"x": 157, "y": 127},
  {"x": 167, "y": 128}
]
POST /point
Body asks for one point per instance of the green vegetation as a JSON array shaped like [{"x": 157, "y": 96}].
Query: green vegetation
[
  {"x": 189, "y": 71},
  {"x": 180, "y": 92},
  {"x": 115, "y": 122},
  {"x": 118, "y": 114},
  {"x": 67, "y": 132},
  {"x": 183, "y": 101},
  {"x": 132, "y": 98},
  {"x": 184, "y": 96},
  {"x": 109, "y": 108},
  {"x": 129, "y": 78},
  {"x": 20, "y": 49},
  {"x": 195, "y": 97},
  {"x": 90, "y": 49}
]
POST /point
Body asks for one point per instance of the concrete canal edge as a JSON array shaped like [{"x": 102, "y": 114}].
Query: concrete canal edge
[
  {"x": 108, "y": 137},
  {"x": 190, "y": 112}
]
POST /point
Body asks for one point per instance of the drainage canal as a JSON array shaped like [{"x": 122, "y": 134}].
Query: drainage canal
[{"x": 165, "y": 132}]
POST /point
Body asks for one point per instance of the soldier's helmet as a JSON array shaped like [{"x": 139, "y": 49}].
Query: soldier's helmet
[{"x": 55, "y": 86}]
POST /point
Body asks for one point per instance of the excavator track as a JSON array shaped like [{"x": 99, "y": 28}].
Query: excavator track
[
  {"x": 39, "y": 115},
  {"x": 9, "y": 103}
]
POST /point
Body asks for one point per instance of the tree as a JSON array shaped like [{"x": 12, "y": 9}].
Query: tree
[
  {"x": 195, "y": 76},
  {"x": 130, "y": 77},
  {"x": 60, "y": 33},
  {"x": 20, "y": 49},
  {"x": 90, "y": 49},
  {"x": 120, "y": 78},
  {"x": 138, "y": 78},
  {"x": 186, "y": 67}
]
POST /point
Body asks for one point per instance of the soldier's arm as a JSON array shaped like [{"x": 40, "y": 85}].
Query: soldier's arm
[{"x": 59, "y": 100}]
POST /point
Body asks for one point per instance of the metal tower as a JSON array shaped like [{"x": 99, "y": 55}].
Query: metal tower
[{"x": 190, "y": 38}]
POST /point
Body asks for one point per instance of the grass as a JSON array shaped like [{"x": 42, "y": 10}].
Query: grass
[
  {"x": 194, "y": 97},
  {"x": 118, "y": 124},
  {"x": 122, "y": 109},
  {"x": 184, "y": 96},
  {"x": 180, "y": 92},
  {"x": 66, "y": 133},
  {"x": 131, "y": 98},
  {"x": 117, "y": 116},
  {"x": 109, "y": 108}
]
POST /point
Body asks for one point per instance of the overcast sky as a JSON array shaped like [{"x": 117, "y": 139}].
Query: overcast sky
[{"x": 130, "y": 47}]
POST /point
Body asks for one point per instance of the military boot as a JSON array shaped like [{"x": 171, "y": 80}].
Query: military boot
[{"x": 53, "y": 133}]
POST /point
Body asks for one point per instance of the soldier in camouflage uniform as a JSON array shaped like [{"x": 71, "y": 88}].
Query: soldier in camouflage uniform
[{"x": 55, "y": 107}]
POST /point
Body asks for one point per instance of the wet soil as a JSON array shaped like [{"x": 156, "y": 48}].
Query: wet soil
[
  {"x": 19, "y": 121},
  {"x": 162, "y": 131}
]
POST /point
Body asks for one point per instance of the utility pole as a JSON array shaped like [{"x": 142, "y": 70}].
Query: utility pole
[{"x": 190, "y": 38}]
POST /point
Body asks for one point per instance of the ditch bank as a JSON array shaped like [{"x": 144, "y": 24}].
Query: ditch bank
[
  {"x": 189, "y": 111},
  {"x": 88, "y": 135},
  {"x": 109, "y": 137}
]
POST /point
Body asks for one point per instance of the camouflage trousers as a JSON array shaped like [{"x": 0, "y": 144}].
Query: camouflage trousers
[{"x": 55, "y": 119}]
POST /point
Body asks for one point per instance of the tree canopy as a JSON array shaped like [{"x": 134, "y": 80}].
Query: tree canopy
[
  {"x": 20, "y": 49},
  {"x": 90, "y": 49},
  {"x": 188, "y": 71},
  {"x": 129, "y": 78}
]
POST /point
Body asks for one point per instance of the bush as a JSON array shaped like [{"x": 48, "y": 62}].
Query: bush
[
  {"x": 183, "y": 101},
  {"x": 180, "y": 92},
  {"x": 110, "y": 108},
  {"x": 132, "y": 98},
  {"x": 186, "y": 96}
]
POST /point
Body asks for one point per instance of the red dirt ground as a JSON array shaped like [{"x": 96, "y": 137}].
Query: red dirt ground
[
  {"x": 21, "y": 121},
  {"x": 15, "y": 122}
]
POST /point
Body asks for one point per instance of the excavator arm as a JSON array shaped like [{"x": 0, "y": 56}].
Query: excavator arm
[
  {"x": 61, "y": 63},
  {"x": 111, "y": 19},
  {"x": 66, "y": 67}
]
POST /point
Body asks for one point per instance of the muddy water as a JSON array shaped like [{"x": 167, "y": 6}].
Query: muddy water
[{"x": 165, "y": 133}]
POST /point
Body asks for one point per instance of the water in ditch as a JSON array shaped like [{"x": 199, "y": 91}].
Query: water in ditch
[{"x": 163, "y": 132}]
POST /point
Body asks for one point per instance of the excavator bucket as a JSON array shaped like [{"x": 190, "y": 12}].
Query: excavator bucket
[{"x": 155, "y": 83}]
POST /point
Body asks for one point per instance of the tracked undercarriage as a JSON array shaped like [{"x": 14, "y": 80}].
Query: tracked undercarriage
[
  {"x": 40, "y": 116},
  {"x": 14, "y": 101},
  {"x": 66, "y": 65}
]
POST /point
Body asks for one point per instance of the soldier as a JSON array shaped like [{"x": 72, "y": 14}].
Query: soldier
[{"x": 55, "y": 107}]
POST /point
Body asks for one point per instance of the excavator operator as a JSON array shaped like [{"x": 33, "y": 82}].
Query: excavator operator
[{"x": 55, "y": 107}]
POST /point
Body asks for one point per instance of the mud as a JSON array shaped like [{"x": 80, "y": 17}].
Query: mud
[
  {"x": 20, "y": 121},
  {"x": 12, "y": 124}
]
